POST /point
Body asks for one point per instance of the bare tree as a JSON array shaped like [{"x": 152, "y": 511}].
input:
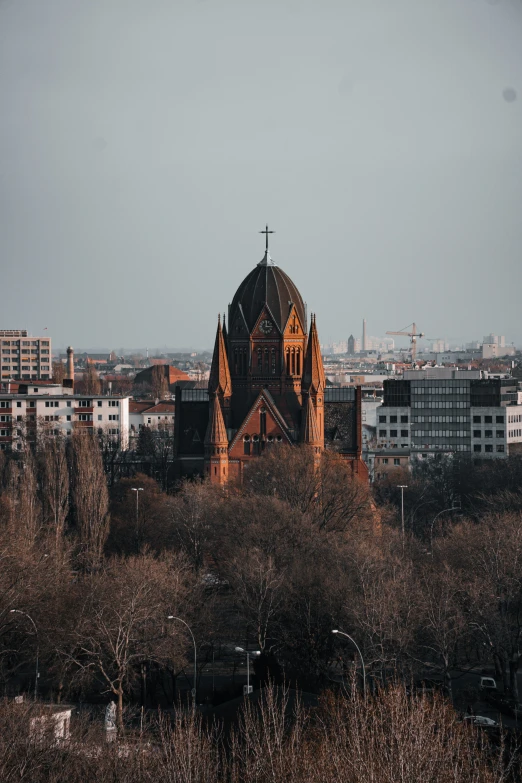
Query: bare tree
[
  {"x": 122, "y": 620},
  {"x": 90, "y": 497},
  {"x": 91, "y": 380},
  {"x": 54, "y": 488},
  {"x": 160, "y": 386},
  {"x": 58, "y": 372}
]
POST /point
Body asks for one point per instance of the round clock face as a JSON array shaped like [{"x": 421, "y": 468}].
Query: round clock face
[{"x": 266, "y": 326}]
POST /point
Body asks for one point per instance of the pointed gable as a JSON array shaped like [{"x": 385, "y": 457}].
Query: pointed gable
[
  {"x": 216, "y": 434},
  {"x": 220, "y": 381},
  {"x": 314, "y": 380},
  {"x": 263, "y": 400}
]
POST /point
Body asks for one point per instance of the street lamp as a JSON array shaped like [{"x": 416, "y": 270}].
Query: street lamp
[
  {"x": 360, "y": 656},
  {"x": 37, "y": 674},
  {"x": 453, "y": 508},
  {"x": 137, "y": 490},
  {"x": 248, "y": 654},
  {"x": 172, "y": 617},
  {"x": 402, "y": 487}
]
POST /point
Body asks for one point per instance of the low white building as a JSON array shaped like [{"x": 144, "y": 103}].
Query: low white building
[
  {"x": 151, "y": 413},
  {"x": 60, "y": 411}
]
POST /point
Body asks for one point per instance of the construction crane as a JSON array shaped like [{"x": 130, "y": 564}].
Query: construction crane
[{"x": 413, "y": 335}]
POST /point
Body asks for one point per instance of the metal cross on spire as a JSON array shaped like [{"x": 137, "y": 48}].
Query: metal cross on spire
[{"x": 266, "y": 232}]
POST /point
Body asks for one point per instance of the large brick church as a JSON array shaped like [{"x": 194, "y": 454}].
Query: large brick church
[{"x": 267, "y": 386}]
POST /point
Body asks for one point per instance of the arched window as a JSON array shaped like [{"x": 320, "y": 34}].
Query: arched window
[
  {"x": 266, "y": 362},
  {"x": 235, "y": 361},
  {"x": 260, "y": 361},
  {"x": 273, "y": 361},
  {"x": 298, "y": 362},
  {"x": 293, "y": 361},
  {"x": 288, "y": 361},
  {"x": 262, "y": 421}
]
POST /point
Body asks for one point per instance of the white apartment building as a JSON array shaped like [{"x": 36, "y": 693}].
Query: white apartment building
[
  {"x": 57, "y": 409},
  {"x": 23, "y": 357}
]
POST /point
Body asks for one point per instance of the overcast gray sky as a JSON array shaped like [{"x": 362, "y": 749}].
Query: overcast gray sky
[{"x": 144, "y": 143}]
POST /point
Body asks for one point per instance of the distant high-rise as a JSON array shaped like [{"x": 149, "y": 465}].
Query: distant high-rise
[
  {"x": 364, "y": 340},
  {"x": 24, "y": 357},
  {"x": 351, "y": 345}
]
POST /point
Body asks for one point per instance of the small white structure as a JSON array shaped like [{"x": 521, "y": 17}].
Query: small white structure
[{"x": 54, "y": 723}]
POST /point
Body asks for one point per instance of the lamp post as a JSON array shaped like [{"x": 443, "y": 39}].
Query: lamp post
[
  {"x": 402, "y": 487},
  {"x": 137, "y": 490},
  {"x": 172, "y": 617},
  {"x": 248, "y": 654},
  {"x": 453, "y": 508},
  {"x": 37, "y": 673},
  {"x": 360, "y": 656}
]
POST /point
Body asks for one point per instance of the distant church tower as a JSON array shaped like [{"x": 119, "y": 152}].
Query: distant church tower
[{"x": 351, "y": 345}]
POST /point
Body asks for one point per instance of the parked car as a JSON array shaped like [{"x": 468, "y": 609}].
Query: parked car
[
  {"x": 488, "y": 684},
  {"x": 480, "y": 720}
]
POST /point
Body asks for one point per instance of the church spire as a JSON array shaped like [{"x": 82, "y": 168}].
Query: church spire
[
  {"x": 220, "y": 381},
  {"x": 216, "y": 445},
  {"x": 216, "y": 434},
  {"x": 314, "y": 380}
]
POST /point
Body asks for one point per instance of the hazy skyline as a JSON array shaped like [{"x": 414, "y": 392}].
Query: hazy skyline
[{"x": 144, "y": 145}]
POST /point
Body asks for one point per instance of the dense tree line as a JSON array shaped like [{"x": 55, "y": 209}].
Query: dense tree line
[{"x": 277, "y": 563}]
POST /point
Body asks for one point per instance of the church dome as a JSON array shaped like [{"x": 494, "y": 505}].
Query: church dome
[{"x": 266, "y": 285}]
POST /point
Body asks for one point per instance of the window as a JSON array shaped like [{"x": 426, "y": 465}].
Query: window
[
  {"x": 85, "y": 417},
  {"x": 488, "y": 419},
  {"x": 100, "y": 417},
  {"x": 112, "y": 403},
  {"x": 477, "y": 419},
  {"x": 99, "y": 404},
  {"x": 85, "y": 403},
  {"x": 382, "y": 419},
  {"x": 393, "y": 419},
  {"x": 477, "y": 447},
  {"x": 476, "y": 433},
  {"x": 404, "y": 433},
  {"x": 5, "y": 404},
  {"x": 385, "y": 461},
  {"x": 68, "y": 418},
  {"x": 488, "y": 433},
  {"x": 393, "y": 433},
  {"x": 500, "y": 433},
  {"x": 500, "y": 449},
  {"x": 382, "y": 433},
  {"x": 396, "y": 461},
  {"x": 488, "y": 448},
  {"x": 404, "y": 419},
  {"x": 499, "y": 420},
  {"x": 113, "y": 417}
]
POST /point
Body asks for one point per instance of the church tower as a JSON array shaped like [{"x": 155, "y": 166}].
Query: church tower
[
  {"x": 267, "y": 341},
  {"x": 216, "y": 446},
  {"x": 220, "y": 382},
  {"x": 313, "y": 386}
]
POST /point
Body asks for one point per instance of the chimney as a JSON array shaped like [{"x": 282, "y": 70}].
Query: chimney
[{"x": 68, "y": 380}]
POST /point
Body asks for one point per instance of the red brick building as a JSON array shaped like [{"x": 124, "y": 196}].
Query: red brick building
[{"x": 267, "y": 385}]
